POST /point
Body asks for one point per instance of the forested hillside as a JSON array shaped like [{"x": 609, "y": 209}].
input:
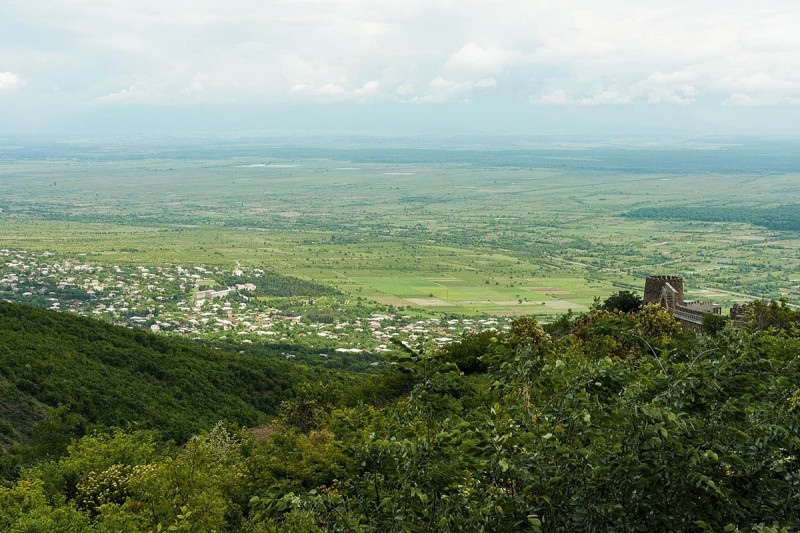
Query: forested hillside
[
  {"x": 608, "y": 421},
  {"x": 104, "y": 375}
]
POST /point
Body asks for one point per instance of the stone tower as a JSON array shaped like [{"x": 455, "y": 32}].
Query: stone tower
[{"x": 654, "y": 287}]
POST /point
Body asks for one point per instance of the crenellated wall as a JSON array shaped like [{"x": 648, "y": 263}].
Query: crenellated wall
[
  {"x": 689, "y": 313},
  {"x": 653, "y": 286}
]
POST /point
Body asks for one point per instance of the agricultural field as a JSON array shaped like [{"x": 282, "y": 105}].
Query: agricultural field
[{"x": 478, "y": 231}]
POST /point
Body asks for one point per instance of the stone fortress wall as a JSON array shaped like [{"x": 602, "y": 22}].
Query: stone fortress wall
[{"x": 667, "y": 291}]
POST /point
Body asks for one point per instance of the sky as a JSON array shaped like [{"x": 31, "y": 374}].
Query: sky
[{"x": 588, "y": 67}]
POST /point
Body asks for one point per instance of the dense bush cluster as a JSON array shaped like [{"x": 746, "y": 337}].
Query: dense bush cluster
[{"x": 272, "y": 283}]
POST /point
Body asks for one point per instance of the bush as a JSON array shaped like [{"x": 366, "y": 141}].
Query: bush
[{"x": 624, "y": 301}]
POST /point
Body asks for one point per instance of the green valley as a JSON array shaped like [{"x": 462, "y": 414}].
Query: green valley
[{"x": 262, "y": 337}]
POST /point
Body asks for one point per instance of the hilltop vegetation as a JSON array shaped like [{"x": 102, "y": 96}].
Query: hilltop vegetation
[
  {"x": 106, "y": 376},
  {"x": 606, "y": 421}
]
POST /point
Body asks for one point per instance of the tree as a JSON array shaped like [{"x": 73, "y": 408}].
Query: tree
[
  {"x": 713, "y": 324},
  {"x": 624, "y": 301}
]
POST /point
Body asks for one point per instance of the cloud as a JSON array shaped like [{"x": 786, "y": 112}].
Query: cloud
[
  {"x": 555, "y": 96},
  {"x": 761, "y": 89},
  {"x": 676, "y": 87},
  {"x": 10, "y": 81},
  {"x": 476, "y": 60},
  {"x": 485, "y": 83},
  {"x": 131, "y": 94},
  {"x": 608, "y": 95},
  {"x": 336, "y": 91},
  {"x": 405, "y": 89},
  {"x": 749, "y": 100},
  {"x": 328, "y": 89},
  {"x": 505, "y": 54},
  {"x": 198, "y": 83},
  {"x": 445, "y": 90},
  {"x": 368, "y": 89}
]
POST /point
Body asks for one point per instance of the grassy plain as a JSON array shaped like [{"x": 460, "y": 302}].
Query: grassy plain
[{"x": 461, "y": 232}]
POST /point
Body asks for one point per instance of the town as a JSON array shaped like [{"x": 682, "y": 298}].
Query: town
[{"x": 194, "y": 302}]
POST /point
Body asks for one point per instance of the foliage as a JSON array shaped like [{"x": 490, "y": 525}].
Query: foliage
[
  {"x": 271, "y": 283},
  {"x": 111, "y": 376},
  {"x": 758, "y": 315},
  {"x": 467, "y": 352},
  {"x": 629, "y": 423},
  {"x": 617, "y": 334},
  {"x": 586, "y": 443},
  {"x": 52, "y": 434},
  {"x": 713, "y": 324},
  {"x": 781, "y": 217},
  {"x": 624, "y": 301}
]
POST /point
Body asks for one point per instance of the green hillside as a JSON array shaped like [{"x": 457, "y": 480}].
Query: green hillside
[
  {"x": 606, "y": 421},
  {"x": 113, "y": 376}
]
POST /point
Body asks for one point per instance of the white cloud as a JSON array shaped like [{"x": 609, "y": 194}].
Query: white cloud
[
  {"x": 476, "y": 60},
  {"x": 749, "y": 100},
  {"x": 760, "y": 90},
  {"x": 198, "y": 83},
  {"x": 445, "y": 90},
  {"x": 328, "y": 89},
  {"x": 608, "y": 95},
  {"x": 336, "y": 91},
  {"x": 10, "y": 81},
  {"x": 485, "y": 83},
  {"x": 572, "y": 52},
  {"x": 675, "y": 88},
  {"x": 368, "y": 89},
  {"x": 555, "y": 96},
  {"x": 405, "y": 90},
  {"x": 131, "y": 94}
]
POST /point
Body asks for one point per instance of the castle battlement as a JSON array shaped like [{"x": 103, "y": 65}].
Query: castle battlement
[
  {"x": 655, "y": 286},
  {"x": 667, "y": 291}
]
